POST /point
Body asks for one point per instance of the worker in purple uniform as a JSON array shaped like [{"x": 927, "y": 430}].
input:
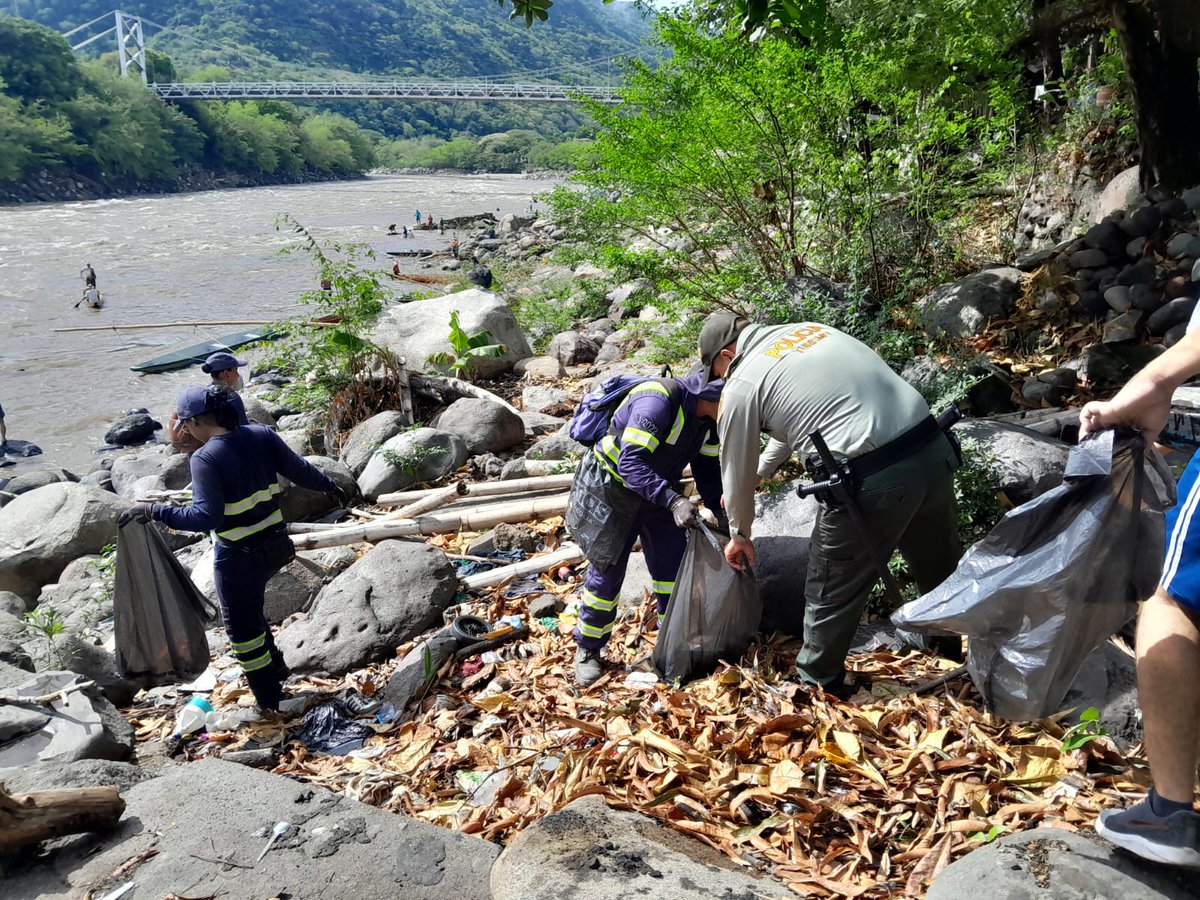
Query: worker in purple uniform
[
  {"x": 660, "y": 427},
  {"x": 235, "y": 496}
]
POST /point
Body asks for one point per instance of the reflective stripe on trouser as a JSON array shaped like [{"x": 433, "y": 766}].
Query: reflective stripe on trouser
[
  {"x": 908, "y": 506},
  {"x": 241, "y": 578},
  {"x": 663, "y": 543}
]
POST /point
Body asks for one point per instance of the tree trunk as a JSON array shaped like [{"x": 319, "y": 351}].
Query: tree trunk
[
  {"x": 1166, "y": 97},
  {"x": 26, "y": 819}
]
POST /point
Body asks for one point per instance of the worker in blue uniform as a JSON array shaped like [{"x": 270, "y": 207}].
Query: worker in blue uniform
[
  {"x": 660, "y": 427},
  {"x": 235, "y": 496}
]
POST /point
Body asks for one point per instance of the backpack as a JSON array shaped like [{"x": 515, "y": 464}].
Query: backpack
[{"x": 595, "y": 410}]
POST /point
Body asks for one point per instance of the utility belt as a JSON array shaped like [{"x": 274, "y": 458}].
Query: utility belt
[{"x": 852, "y": 472}]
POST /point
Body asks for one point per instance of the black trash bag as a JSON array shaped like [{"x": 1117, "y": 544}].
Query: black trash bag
[
  {"x": 1056, "y": 577},
  {"x": 713, "y": 612},
  {"x": 600, "y": 512},
  {"x": 159, "y": 616},
  {"x": 329, "y": 728}
]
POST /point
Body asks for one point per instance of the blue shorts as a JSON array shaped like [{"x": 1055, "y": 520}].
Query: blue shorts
[{"x": 1181, "y": 569}]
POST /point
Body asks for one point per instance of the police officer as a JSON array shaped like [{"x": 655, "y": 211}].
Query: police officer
[
  {"x": 235, "y": 495},
  {"x": 660, "y": 427},
  {"x": 792, "y": 380}
]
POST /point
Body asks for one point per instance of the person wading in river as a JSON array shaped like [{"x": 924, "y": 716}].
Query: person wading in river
[{"x": 88, "y": 274}]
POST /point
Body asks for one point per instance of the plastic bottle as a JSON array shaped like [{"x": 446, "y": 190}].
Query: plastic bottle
[{"x": 191, "y": 717}]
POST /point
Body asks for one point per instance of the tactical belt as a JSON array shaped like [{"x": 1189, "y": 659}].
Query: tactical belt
[{"x": 880, "y": 458}]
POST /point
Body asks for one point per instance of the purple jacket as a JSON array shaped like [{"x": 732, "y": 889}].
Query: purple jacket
[{"x": 655, "y": 433}]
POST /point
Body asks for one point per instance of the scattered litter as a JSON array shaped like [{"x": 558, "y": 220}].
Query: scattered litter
[
  {"x": 119, "y": 892},
  {"x": 641, "y": 681},
  {"x": 280, "y": 829},
  {"x": 328, "y": 729},
  {"x": 385, "y": 714},
  {"x": 203, "y": 684},
  {"x": 231, "y": 674}
]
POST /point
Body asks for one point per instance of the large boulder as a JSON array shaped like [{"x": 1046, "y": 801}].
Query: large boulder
[
  {"x": 368, "y": 436},
  {"x": 132, "y": 428},
  {"x": 556, "y": 446},
  {"x": 38, "y": 478},
  {"x": 1025, "y": 463},
  {"x": 335, "y": 847},
  {"x": 1121, "y": 193},
  {"x": 131, "y": 468},
  {"x": 302, "y": 505},
  {"x": 395, "y": 592},
  {"x": 415, "y": 331},
  {"x": 572, "y": 348},
  {"x": 538, "y": 398},
  {"x": 484, "y": 426},
  {"x": 590, "y": 852},
  {"x": 43, "y": 530},
  {"x": 80, "y": 773},
  {"x": 962, "y": 308},
  {"x": 1058, "y": 865},
  {"x": 83, "y": 725},
  {"x": 257, "y": 412},
  {"x": 84, "y": 656},
  {"x": 425, "y": 454}
]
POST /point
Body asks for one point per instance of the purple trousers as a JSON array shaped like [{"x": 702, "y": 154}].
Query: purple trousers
[{"x": 663, "y": 542}]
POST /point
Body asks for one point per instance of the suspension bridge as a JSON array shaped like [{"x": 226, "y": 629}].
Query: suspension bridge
[{"x": 129, "y": 32}]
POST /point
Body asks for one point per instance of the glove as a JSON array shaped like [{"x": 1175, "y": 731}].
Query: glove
[
  {"x": 340, "y": 496},
  {"x": 685, "y": 512},
  {"x": 139, "y": 512}
]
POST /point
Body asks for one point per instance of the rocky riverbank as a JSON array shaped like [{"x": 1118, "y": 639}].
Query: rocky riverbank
[
  {"x": 448, "y": 754},
  {"x": 46, "y": 187}
]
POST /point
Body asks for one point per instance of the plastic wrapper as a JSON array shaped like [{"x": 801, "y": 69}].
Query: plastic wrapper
[
  {"x": 329, "y": 728},
  {"x": 1056, "y": 577},
  {"x": 713, "y": 612},
  {"x": 159, "y": 616},
  {"x": 600, "y": 512}
]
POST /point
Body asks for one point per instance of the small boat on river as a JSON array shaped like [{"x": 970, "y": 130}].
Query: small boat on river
[{"x": 197, "y": 353}]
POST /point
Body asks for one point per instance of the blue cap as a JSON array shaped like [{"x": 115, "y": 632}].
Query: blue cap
[
  {"x": 193, "y": 401},
  {"x": 221, "y": 361},
  {"x": 700, "y": 383}
]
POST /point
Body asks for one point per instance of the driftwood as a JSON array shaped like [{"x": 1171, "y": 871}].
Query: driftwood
[
  {"x": 26, "y": 819},
  {"x": 569, "y": 553},
  {"x": 485, "y": 489},
  {"x": 47, "y": 699},
  {"x": 479, "y": 519},
  {"x": 441, "y": 387}
]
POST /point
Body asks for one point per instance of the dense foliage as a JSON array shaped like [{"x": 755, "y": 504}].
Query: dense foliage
[
  {"x": 744, "y": 164},
  {"x": 519, "y": 150},
  {"x": 60, "y": 117},
  {"x": 408, "y": 38}
]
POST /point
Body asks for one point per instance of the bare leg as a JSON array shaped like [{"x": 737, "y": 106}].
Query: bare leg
[{"x": 1168, "y": 670}]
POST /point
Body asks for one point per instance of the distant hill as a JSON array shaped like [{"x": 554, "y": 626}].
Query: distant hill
[{"x": 425, "y": 38}]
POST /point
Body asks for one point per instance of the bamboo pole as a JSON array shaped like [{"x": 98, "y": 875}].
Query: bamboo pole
[
  {"x": 187, "y": 325},
  {"x": 486, "y": 489},
  {"x": 568, "y": 553},
  {"x": 467, "y": 520}
]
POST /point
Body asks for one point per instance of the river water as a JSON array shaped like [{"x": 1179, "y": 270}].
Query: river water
[{"x": 201, "y": 257}]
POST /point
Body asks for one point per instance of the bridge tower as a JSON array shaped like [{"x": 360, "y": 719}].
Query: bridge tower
[
  {"x": 131, "y": 40},
  {"x": 131, "y": 44}
]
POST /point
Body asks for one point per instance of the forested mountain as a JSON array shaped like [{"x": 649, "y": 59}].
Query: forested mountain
[{"x": 405, "y": 38}]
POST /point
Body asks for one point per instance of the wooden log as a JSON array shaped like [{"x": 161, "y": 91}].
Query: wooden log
[
  {"x": 478, "y": 519},
  {"x": 568, "y": 553},
  {"x": 455, "y": 387},
  {"x": 486, "y": 489},
  {"x": 26, "y": 819}
]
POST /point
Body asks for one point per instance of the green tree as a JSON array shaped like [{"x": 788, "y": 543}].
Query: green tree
[{"x": 36, "y": 63}]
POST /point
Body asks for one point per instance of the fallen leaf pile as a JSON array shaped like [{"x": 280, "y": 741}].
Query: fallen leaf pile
[{"x": 867, "y": 798}]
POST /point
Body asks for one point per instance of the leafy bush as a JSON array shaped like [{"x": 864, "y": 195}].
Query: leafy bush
[{"x": 466, "y": 348}]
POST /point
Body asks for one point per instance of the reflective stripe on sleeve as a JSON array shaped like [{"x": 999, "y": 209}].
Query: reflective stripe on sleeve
[
  {"x": 677, "y": 428},
  {"x": 710, "y": 450},
  {"x": 645, "y": 439}
]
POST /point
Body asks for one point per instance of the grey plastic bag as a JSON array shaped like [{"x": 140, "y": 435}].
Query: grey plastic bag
[
  {"x": 713, "y": 612},
  {"x": 1056, "y": 577},
  {"x": 600, "y": 512},
  {"x": 159, "y": 616}
]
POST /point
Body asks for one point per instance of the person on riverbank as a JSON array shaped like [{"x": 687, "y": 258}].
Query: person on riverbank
[
  {"x": 235, "y": 495},
  {"x": 88, "y": 274},
  {"x": 223, "y": 368},
  {"x": 1164, "y": 827},
  {"x": 396, "y": 269},
  {"x": 662, "y": 426},
  {"x": 3, "y": 430},
  {"x": 454, "y": 245},
  {"x": 789, "y": 381}
]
